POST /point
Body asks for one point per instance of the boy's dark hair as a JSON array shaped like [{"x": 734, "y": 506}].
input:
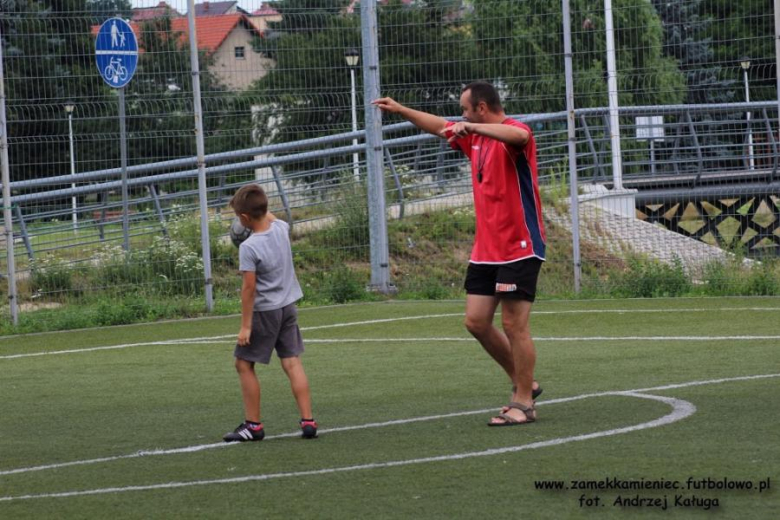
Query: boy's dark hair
[
  {"x": 251, "y": 200},
  {"x": 484, "y": 91}
]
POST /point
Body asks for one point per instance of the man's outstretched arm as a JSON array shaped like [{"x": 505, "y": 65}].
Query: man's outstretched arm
[{"x": 424, "y": 121}]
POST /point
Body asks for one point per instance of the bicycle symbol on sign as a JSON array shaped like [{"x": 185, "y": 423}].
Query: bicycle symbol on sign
[{"x": 115, "y": 71}]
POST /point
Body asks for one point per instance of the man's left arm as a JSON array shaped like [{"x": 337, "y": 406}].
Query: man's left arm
[{"x": 509, "y": 134}]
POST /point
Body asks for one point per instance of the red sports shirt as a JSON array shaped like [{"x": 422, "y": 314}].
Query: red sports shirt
[{"x": 506, "y": 198}]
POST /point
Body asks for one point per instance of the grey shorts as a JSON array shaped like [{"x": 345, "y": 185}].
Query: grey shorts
[{"x": 276, "y": 329}]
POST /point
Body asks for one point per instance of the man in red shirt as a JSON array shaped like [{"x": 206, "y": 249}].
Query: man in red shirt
[{"x": 509, "y": 245}]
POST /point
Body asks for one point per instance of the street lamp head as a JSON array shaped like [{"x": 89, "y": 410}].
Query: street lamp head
[
  {"x": 352, "y": 56},
  {"x": 744, "y": 62},
  {"x": 69, "y": 107}
]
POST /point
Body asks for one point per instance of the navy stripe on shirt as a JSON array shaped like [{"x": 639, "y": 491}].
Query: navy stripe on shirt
[{"x": 529, "y": 205}]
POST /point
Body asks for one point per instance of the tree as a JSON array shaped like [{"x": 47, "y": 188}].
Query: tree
[
  {"x": 307, "y": 93},
  {"x": 47, "y": 62},
  {"x": 687, "y": 39},
  {"x": 104, "y": 9},
  {"x": 164, "y": 89},
  {"x": 527, "y": 57},
  {"x": 744, "y": 29},
  {"x": 301, "y": 103}
]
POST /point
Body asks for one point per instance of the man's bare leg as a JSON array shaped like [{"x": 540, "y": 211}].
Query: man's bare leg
[
  {"x": 480, "y": 311},
  {"x": 515, "y": 317}
]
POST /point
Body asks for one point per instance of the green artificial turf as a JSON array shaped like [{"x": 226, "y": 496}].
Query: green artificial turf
[{"x": 397, "y": 361}]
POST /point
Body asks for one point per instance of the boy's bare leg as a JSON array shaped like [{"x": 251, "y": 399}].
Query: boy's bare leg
[
  {"x": 299, "y": 384},
  {"x": 250, "y": 389}
]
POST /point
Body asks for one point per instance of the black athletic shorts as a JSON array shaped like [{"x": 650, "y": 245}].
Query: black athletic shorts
[{"x": 516, "y": 280}]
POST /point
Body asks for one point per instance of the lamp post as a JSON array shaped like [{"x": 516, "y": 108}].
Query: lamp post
[
  {"x": 69, "y": 107},
  {"x": 745, "y": 64},
  {"x": 353, "y": 57}
]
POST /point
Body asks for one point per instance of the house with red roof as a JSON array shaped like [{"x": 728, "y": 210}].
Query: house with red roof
[
  {"x": 265, "y": 14},
  {"x": 218, "y": 8},
  {"x": 227, "y": 39},
  {"x": 142, "y": 14}
]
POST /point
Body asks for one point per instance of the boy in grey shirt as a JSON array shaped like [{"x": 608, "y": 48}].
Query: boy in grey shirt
[{"x": 269, "y": 317}]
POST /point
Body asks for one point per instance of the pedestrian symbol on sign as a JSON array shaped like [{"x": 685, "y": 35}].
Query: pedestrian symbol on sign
[{"x": 117, "y": 36}]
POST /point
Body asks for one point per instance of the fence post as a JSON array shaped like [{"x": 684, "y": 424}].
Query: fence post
[
  {"x": 612, "y": 92},
  {"x": 777, "y": 54},
  {"x": 6, "y": 180},
  {"x": 377, "y": 218},
  {"x": 201, "y": 151},
  {"x": 572, "y": 135}
]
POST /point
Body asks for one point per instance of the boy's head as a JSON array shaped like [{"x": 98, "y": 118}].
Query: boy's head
[{"x": 250, "y": 202}]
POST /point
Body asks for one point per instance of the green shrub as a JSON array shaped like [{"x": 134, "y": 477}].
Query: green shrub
[
  {"x": 342, "y": 285},
  {"x": 645, "y": 278},
  {"x": 175, "y": 268},
  {"x": 51, "y": 275},
  {"x": 115, "y": 267},
  {"x": 763, "y": 279},
  {"x": 349, "y": 234},
  {"x": 735, "y": 278},
  {"x": 127, "y": 310},
  {"x": 430, "y": 288},
  {"x": 186, "y": 229},
  {"x": 723, "y": 278},
  {"x": 167, "y": 266}
]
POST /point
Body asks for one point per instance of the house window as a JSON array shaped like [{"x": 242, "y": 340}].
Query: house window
[{"x": 239, "y": 52}]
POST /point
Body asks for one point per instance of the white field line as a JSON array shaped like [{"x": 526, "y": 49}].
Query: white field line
[
  {"x": 680, "y": 410},
  {"x": 435, "y": 339},
  {"x": 202, "y": 447},
  {"x": 536, "y": 312},
  {"x": 229, "y": 339},
  {"x": 224, "y": 336},
  {"x": 430, "y": 316}
]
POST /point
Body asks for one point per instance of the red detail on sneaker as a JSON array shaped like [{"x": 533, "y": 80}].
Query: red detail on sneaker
[
  {"x": 308, "y": 423},
  {"x": 255, "y": 428}
]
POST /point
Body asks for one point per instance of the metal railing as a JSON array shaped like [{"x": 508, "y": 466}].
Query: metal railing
[{"x": 694, "y": 145}]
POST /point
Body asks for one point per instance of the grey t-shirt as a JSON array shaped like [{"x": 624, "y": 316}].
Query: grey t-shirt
[{"x": 269, "y": 255}]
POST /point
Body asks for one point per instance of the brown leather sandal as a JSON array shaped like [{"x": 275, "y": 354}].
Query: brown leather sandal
[{"x": 529, "y": 411}]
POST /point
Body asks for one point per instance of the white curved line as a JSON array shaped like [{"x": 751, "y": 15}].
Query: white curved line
[
  {"x": 202, "y": 447},
  {"x": 680, "y": 410}
]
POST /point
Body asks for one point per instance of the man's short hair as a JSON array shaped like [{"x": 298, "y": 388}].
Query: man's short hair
[
  {"x": 484, "y": 91},
  {"x": 251, "y": 200}
]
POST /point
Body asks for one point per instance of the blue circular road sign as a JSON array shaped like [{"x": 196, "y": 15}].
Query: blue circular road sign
[{"x": 116, "y": 52}]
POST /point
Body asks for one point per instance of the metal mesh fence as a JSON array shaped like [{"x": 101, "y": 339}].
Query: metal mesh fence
[
  {"x": 693, "y": 207},
  {"x": 677, "y": 171}
]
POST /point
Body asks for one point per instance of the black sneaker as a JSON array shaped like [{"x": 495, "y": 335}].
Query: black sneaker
[
  {"x": 245, "y": 433},
  {"x": 309, "y": 428}
]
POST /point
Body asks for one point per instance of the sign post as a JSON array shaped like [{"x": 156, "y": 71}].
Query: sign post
[{"x": 116, "y": 54}]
